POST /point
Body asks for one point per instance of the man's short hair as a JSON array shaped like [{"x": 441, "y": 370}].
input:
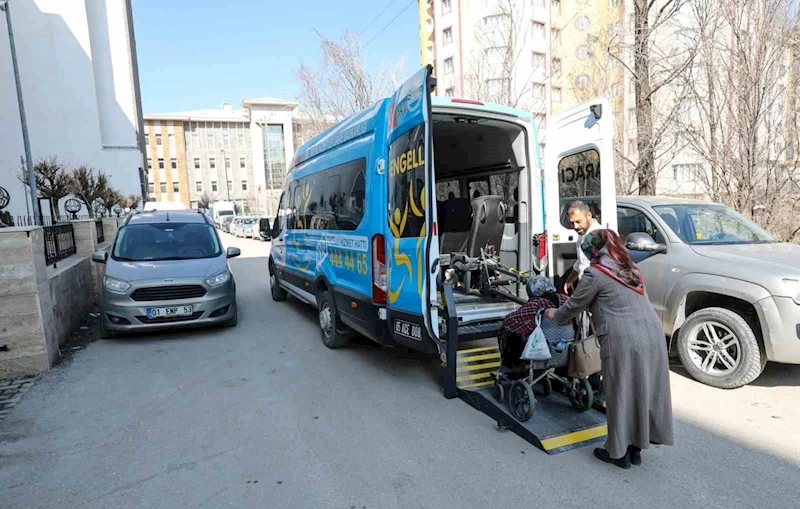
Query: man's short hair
[{"x": 578, "y": 205}]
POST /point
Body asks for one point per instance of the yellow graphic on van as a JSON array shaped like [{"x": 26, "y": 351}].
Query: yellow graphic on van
[{"x": 408, "y": 160}]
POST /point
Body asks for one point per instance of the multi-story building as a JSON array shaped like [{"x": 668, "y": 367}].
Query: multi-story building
[
  {"x": 78, "y": 71},
  {"x": 239, "y": 155}
]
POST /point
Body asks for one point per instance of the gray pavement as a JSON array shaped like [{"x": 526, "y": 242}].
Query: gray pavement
[{"x": 264, "y": 416}]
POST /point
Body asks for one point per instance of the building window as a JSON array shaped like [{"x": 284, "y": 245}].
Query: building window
[
  {"x": 274, "y": 155},
  {"x": 195, "y": 141},
  {"x": 158, "y": 139},
  {"x": 582, "y": 52},
  {"x": 448, "y": 36},
  {"x": 149, "y": 164},
  {"x": 537, "y": 31},
  {"x": 199, "y": 187},
  {"x": 230, "y": 186},
  {"x": 555, "y": 93},
  {"x": 227, "y": 163},
  {"x": 176, "y": 188},
  {"x": 244, "y": 185},
  {"x": 448, "y": 66},
  {"x": 582, "y": 23},
  {"x": 450, "y": 92},
  {"x": 242, "y": 163},
  {"x": 583, "y": 80},
  {"x": 212, "y": 163},
  {"x": 171, "y": 139},
  {"x": 151, "y": 188},
  {"x": 147, "y": 139},
  {"x": 685, "y": 172},
  {"x": 556, "y": 65},
  {"x": 447, "y": 6},
  {"x": 196, "y": 163},
  {"x": 210, "y": 141},
  {"x": 556, "y": 5},
  {"x": 430, "y": 53},
  {"x": 538, "y": 61},
  {"x": 556, "y": 35},
  {"x": 226, "y": 140},
  {"x": 163, "y": 187},
  {"x": 541, "y": 121},
  {"x": 240, "y": 139},
  {"x": 160, "y": 164},
  {"x": 539, "y": 91},
  {"x": 213, "y": 186},
  {"x": 173, "y": 163}
]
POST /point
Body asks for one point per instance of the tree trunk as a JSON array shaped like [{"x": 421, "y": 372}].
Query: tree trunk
[{"x": 645, "y": 166}]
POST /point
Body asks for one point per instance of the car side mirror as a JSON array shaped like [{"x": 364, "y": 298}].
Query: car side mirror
[
  {"x": 233, "y": 252},
  {"x": 640, "y": 241},
  {"x": 100, "y": 256}
]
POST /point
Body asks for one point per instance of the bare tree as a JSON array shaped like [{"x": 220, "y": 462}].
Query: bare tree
[
  {"x": 52, "y": 181},
  {"x": 87, "y": 185},
  {"x": 204, "y": 201},
  {"x": 743, "y": 116},
  {"x": 341, "y": 84},
  {"x": 110, "y": 199},
  {"x": 131, "y": 201}
]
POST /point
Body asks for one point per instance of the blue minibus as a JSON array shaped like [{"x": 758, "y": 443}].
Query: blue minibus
[{"x": 373, "y": 205}]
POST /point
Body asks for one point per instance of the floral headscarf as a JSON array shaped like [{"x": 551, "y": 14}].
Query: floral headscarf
[{"x": 539, "y": 286}]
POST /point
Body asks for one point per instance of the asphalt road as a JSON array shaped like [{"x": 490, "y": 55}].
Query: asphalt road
[{"x": 264, "y": 416}]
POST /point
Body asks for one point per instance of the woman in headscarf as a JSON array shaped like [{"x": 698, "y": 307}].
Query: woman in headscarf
[
  {"x": 518, "y": 325},
  {"x": 632, "y": 349}
]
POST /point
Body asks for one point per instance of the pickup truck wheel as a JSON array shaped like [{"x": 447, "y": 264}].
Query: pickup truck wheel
[{"x": 718, "y": 348}]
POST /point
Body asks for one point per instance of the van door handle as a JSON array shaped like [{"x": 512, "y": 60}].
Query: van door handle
[{"x": 434, "y": 265}]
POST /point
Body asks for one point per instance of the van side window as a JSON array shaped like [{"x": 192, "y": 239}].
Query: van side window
[
  {"x": 313, "y": 201},
  {"x": 333, "y": 201},
  {"x": 293, "y": 220},
  {"x": 277, "y": 225},
  {"x": 446, "y": 188},
  {"x": 579, "y": 179},
  {"x": 352, "y": 194}
]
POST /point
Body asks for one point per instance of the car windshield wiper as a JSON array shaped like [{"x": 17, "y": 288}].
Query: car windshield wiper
[{"x": 126, "y": 259}]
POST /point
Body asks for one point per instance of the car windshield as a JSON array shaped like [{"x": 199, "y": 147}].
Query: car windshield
[
  {"x": 225, "y": 213},
  {"x": 166, "y": 241},
  {"x": 249, "y": 221},
  {"x": 711, "y": 224}
]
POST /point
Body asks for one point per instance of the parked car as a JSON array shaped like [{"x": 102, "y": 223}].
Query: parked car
[
  {"x": 265, "y": 228},
  {"x": 225, "y": 223},
  {"x": 234, "y": 226},
  {"x": 727, "y": 292},
  {"x": 249, "y": 228},
  {"x": 165, "y": 270}
]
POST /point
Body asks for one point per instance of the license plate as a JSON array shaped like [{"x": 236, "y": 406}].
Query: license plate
[
  {"x": 407, "y": 329},
  {"x": 169, "y": 312}
]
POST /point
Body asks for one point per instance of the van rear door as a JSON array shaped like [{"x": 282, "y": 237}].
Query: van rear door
[
  {"x": 579, "y": 165},
  {"x": 412, "y": 246}
]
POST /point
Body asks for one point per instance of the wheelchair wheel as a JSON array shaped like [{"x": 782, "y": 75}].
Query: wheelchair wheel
[
  {"x": 581, "y": 395},
  {"x": 498, "y": 392},
  {"x": 521, "y": 401}
]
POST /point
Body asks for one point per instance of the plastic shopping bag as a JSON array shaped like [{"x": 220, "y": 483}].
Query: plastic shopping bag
[{"x": 536, "y": 348}]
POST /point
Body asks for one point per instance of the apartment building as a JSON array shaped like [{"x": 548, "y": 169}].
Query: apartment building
[{"x": 238, "y": 155}]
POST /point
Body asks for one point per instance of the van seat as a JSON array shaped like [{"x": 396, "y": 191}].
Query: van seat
[{"x": 455, "y": 225}]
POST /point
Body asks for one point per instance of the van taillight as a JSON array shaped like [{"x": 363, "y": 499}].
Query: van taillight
[
  {"x": 378, "y": 270},
  {"x": 542, "y": 245}
]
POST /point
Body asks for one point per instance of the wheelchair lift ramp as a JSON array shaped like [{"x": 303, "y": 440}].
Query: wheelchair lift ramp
[{"x": 555, "y": 426}]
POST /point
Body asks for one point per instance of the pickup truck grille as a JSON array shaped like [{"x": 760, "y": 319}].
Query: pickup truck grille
[{"x": 175, "y": 292}]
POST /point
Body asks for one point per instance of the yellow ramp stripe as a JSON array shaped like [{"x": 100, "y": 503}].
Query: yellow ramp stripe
[
  {"x": 575, "y": 437},
  {"x": 476, "y": 376},
  {"x": 483, "y": 357},
  {"x": 479, "y": 349},
  {"x": 476, "y": 385},
  {"x": 476, "y": 367}
]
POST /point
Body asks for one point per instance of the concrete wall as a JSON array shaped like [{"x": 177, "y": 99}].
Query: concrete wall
[
  {"x": 76, "y": 75},
  {"x": 41, "y": 305}
]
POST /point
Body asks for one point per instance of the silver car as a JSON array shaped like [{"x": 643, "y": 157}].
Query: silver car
[
  {"x": 165, "y": 270},
  {"x": 727, "y": 292}
]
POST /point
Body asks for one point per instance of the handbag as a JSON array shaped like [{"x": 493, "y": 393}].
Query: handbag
[{"x": 584, "y": 357}]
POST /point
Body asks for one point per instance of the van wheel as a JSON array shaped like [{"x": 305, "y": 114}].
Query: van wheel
[
  {"x": 718, "y": 348},
  {"x": 329, "y": 322},
  {"x": 278, "y": 293}
]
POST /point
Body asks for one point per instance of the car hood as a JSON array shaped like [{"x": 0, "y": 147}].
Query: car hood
[
  {"x": 782, "y": 259},
  {"x": 166, "y": 269}
]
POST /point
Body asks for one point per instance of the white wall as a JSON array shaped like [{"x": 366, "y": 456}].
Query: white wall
[
  {"x": 265, "y": 114},
  {"x": 77, "y": 84}
]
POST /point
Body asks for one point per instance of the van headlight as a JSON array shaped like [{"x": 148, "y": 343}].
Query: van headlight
[
  {"x": 116, "y": 285},
  {"x": 220, "y": 278}
]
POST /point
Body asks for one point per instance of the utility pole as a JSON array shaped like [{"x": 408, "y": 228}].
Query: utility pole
[
  {"x": 22, "y": 119},
  {"x": 227, "y": 182}
]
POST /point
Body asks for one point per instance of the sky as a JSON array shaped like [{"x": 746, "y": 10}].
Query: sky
[{"x": 197, "y": 54}]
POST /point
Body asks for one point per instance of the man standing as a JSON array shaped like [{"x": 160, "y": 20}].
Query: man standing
[{"x": 580, "y": 217}]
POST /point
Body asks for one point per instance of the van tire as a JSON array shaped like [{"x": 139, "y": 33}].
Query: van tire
[
  {"x": 752, "y": 357},
  {"x": 331, "y": 329},
  {"x": 278, "y": 293}
]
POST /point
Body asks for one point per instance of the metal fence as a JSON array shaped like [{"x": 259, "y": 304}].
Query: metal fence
[
  {"x": 98, "y": 225},
  {"x": 45, "y": 220},
  {"x": 59, "y": 243}
]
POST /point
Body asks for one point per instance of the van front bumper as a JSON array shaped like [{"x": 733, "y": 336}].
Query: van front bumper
[{"x": 780, "y": 320}]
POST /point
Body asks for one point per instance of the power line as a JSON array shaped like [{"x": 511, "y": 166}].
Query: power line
[
  {"x": 376, "y": 17},
  {"x": 389, "y": 23}
]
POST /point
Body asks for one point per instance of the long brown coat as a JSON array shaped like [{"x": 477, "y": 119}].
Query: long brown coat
[{"x": 634, "y": 357}]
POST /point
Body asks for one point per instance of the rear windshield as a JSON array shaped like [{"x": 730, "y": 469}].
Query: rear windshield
[
  {"x": 166, "y": 241},
  {"x": 225, "y": 213},
  {"x": 249, "y": 221}
]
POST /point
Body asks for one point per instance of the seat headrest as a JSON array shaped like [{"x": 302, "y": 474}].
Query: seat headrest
[
  {"x": 489, "y": 208},
  {"x": 458, "y": 214}
]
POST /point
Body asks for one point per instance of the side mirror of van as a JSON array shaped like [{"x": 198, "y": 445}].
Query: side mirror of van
[
  {"x": 233, "y": 252},
  {"x": 100, "y": 256},
  {"x": 640, "y": 241}
]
